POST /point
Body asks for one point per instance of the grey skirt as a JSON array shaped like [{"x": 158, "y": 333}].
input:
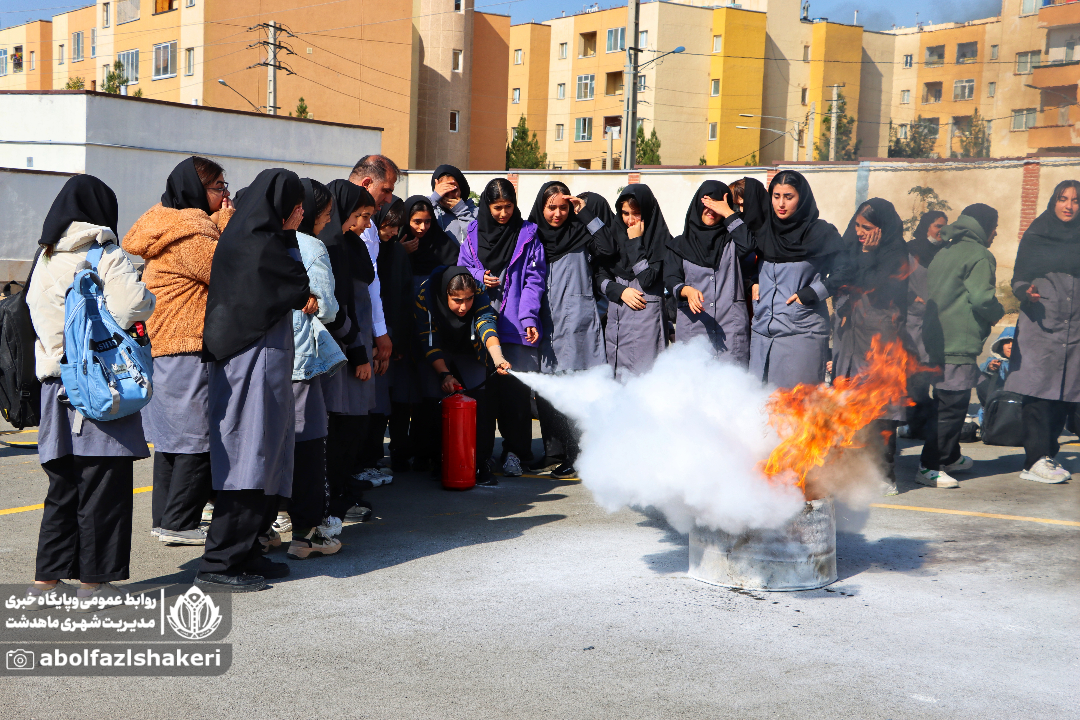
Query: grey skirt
[
  {"x": 112, "y": 438},
  {"x": 177, "y": 420},
  {"x": 311, "y": 418},
  {"x": 788, "y": 360}
]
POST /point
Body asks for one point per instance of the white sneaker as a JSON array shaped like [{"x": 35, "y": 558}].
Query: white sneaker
[
  {"x": 283, "y": 523},
  {"x": 1048, "y": 471},
  {"x": 964, "y": 463},
  {"x": 904, "y": 431},
  {"x": 374, "y": 477},
  {"x": 512, "y": 466},
  {"x": 331, "y": 527},
  {"x": 935, "y": 478},
  {"x": 385, "y": 471},
  {"x": 208, "y": 512}
]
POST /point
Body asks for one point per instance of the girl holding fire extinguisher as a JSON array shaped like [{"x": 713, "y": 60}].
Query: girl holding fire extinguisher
[{"x": 456, "y": 332}]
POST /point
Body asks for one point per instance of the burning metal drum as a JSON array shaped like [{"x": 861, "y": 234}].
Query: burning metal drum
[{"x": 798, "y": 556}]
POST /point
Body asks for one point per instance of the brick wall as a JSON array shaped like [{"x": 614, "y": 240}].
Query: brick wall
[{"x": 1029, "y": 196}]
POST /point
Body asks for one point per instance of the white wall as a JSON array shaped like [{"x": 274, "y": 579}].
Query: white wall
[{"x": 25, "y": 197}]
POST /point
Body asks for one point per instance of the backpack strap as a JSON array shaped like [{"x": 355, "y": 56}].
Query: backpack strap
[{"x": 94, "y": 256}]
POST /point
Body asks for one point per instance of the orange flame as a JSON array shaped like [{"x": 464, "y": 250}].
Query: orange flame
[{"x": 814, "y": 420}]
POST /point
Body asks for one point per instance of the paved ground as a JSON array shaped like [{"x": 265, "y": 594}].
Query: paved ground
[{"x": 528, "y": 601}]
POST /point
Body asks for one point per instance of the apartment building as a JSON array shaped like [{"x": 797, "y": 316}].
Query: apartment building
[
  {"x": 1057, "y": 125},
  {"x": 26, "y": 56},
  {"x": 408, "y": 67}
]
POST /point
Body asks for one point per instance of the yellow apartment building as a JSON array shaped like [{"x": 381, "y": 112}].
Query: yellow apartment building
[
  {"x": 74, "y": 48},
  {"x": 736, "y": 77},
  {"x": 527, "y": 81},
  {"x": 1057, "y": 125},
  {"x": 26, "y": 56}
]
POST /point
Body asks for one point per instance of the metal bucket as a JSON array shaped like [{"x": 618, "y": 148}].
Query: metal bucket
[{"x": 798, "y": 556}]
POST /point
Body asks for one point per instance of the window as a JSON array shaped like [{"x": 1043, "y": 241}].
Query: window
[
  {"x": 1063, "y": 115},
  {"x": 130, "y": 61},
  {"x": 562, "y": 51},
  {"x": 17, "y": 59},
  {"x": 1023, "y": 119},
  {"x": 967, "y": 52},
  {"x": 559, "y": 132},
  {"x": 993, "y": 52},
  {"x": 643, "y": 39},
  {"x": 717, "y": 43},
  {"x": 76, "y": 47},
  {"x": 991, "y": 89},
  {"x": 164, "y": 61},
  {"x": 3, "y": 62},
  {"x": 935, "y": 56},
  {"x": 93, "y": 42},
  {"x": 714, "y": 87},
  {"x": 933, "y": 126},
  {"x": 583, "y": 130},
  {"x": 641, "y": 83},
  {"x": 1026, "y": 61},
  {"x": 453, "y": 121},
  {"x": 806, "y": 53},
  {"x": 585, "y": 164},
  {"x": 931, "y": 93},
  {"x": 126, "y": 11},
  {"x": 457, "y": 6},
  {"x": 963, "y": 89},
  {"x": 190, "y": 3},
  {"x": 613, "y": 126},
  {"x": 1027, "y": 7},
  {"x": 616, "y": 39},
  {"x": 189, "y": 61},
  {"x": 804, "y": 95},
  {"x": 1070, "y": 51},
  {"x": 908, "y": 61},
  {"x": 60, "y": 55},
  {"x": 613, "y": 83},
  {"x": 585, "y": 85},
  {"x": 560, "y": 91},
  {"x": 712, "y": 131},
  {"x": 519, "y": 57},
  {"x": 902, "y": 132},
  {"x": 515, "y": 95},
  {"x": 456, "y": 60},
  {"x": 587, "y": 45},
  {"x": 105, "y": 14},
  {"x": 33, "y": 63},
  {"x": 161, "y": 6},
  {"x": 905, "y": 97}
]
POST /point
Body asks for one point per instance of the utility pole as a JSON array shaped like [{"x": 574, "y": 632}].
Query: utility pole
[
  {"x": 810, "y": 132},
  {"x": 834, "y": 117},
  {"x": 629, "y": 129},
  {"x": 271, "y": 68}
]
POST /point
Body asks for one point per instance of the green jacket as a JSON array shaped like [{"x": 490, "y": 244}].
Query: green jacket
[{"x": 963, "y": 304}]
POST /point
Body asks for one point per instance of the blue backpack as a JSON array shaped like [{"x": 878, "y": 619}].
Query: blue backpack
[{"x": 106, "y": 370}]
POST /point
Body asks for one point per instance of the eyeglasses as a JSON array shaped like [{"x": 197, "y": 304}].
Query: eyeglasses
[{"x": 222, "y": 188}]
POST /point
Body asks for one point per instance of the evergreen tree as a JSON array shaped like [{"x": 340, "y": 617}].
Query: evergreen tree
[
  {"x": 114, "y": 79},
  {"x": 302, "y": 109},
  {"x": 926, "y": 199},
  {"x": 918, "y": 144},
  {"x": 648, "y": 151},
  {"x": 523, "y": 152},
  {"x": 75, "y": 83},
  {"x": 752, "y": 160},
  {"x": 974, "y": 140},
  {"x": 845, "y": 128}
]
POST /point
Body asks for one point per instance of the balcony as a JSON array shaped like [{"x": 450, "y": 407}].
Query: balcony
[
  {"x": 1058, "y": 75},
  {"x": 1053, "y": 136},
  {"x": 1059, "y": 14}
]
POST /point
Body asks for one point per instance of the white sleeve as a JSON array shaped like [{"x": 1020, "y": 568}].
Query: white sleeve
[{"x": 378, "y": 320}]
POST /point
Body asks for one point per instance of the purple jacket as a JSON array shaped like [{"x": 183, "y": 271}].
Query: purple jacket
[{"x": 523, "y": 285}]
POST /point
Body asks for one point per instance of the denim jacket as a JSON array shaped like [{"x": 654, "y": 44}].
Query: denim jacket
[{"x": 317, "y": 352}]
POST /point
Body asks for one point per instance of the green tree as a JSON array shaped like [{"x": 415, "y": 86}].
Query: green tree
[
  {"x": 974, "y": 140},
  {"x": 114, "y": 79},
  {"x": 137, "y": 93},
  {"x": 752, "y": 160},
  {"x": 701, "y": 160},
  {"x": 75, "y": 83},
  {"x": 302, "y": 109},
  {"x": 523, "y": 152},
  {"x": 648, "y": 150},
  {"x": 918, "y": 144},
  {"x": 845, "y": 128},
  {"x": 925, "y": 200}
]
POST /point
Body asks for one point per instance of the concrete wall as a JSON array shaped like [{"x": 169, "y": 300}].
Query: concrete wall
[{"x": 25, "y": 198}]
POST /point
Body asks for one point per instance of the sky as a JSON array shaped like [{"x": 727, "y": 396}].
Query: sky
[{"x": 873, "y": 14}]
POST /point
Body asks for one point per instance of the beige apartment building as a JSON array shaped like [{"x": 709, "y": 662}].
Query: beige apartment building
[{"x": 431, "y": 73}]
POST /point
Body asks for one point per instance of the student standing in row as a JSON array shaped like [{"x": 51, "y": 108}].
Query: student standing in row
[
  {"x": 177, "y": 239},
  {"x": 1045, "y": 362},
  {"x": 86, "y": 524},
  {"x": 572, "y": 337},
  {"x": 454, "y": 211},
  {"x": 633, "y": 282},
  {"x": 256, "y": 281},
  {"x": 504, "y": 255},
  {"x": 703, "y": 271}
]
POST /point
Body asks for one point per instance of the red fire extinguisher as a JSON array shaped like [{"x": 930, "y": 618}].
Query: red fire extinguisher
[{"x": 458, "y": 442}]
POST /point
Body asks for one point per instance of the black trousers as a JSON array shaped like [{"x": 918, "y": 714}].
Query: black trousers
[
  {"x": 1043, "y": 422},
  {"x": 182, "y": 485},
  {"x": 344, "y": 441},
  {"x": 233, "y": 537},
  {"x": 310, "y": 489},
  {"x": 372, "y": 451},
  {"x": 512, "y": 402},
  {"x": 560, "y": 433},
  {"x": 942, "y": 446},
  {"x": 405, "y": 438},
  {"x": 882, "y": 437},
  {"x": 922, "y": 412},
  {"x": 86, "y": 526}
]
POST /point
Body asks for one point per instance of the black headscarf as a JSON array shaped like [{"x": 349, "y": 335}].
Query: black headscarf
[
  {"x": 558, "y": 241},
  {"x": 454, "y": 331},
  {"x": 921, "y": 246},
  {"x": 459, "y": 177},
  {"x": 652, "y": 243},
  {"x": 380, "y": 215},
  {"x": 84, "y": 198},
  {"x": 237, "y": 197},
  {"x": 254, "y": 280},
  {"x": 986, "y": 216},
  {"x": 699, "y": 243},
  {"x": 803, "y": 235},
  {"x": 184, "y": 188},
  {"x": 598, "y": 206},
  {"x": 346, "y": 258},
  {"x": 1049, "y": 245},
  {"x": 436, "y": 247},
  {"x": 495, "y": 243},
  {"x": 882, "y": 270},
  {"x": 311, "y": 213}
]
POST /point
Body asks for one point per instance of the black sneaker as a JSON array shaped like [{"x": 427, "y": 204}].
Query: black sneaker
[
  {"x": 220, "y": 582},
  {"x": 565, "y": 470},
  {"x": 266, "y": 568},
  {"x": 485, "y": 478},
  {"x": 543, "y": 464}
]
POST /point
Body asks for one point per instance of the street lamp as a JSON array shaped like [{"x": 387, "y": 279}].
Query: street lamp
[
  {"x": 630, "y": 115},
  {"x": 238, "y": 93}
]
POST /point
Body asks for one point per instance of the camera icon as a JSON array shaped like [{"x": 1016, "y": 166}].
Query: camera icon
[{"x": 20, "y": 660}]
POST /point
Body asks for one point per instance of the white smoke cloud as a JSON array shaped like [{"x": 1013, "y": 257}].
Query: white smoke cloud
[{"x": 685, "y": 438}]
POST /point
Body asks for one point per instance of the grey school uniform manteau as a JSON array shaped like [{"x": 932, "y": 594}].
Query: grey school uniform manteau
[
  {"x": 1045, "y": 360},
  {"x": 177, "y": 418},
  {"x": 572, "y": 336},
  {"x": 111, "y": 438},
  {"x": 724, "y": 319},
  {"x": 635, "y": 338},
  {"x": 253, "y": 415},
  {"x": 789, "y": 344}
]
